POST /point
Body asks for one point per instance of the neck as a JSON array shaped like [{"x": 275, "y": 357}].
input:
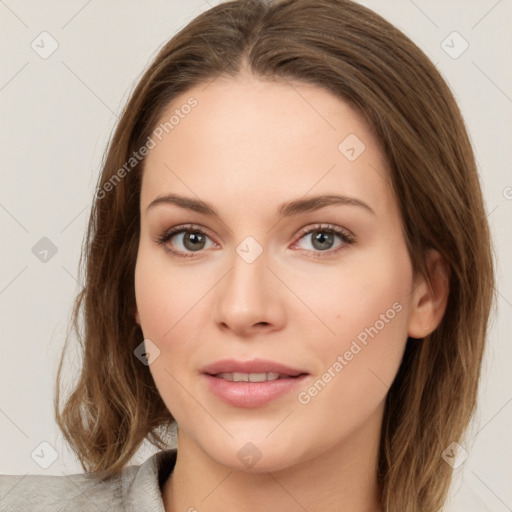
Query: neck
[{"x": 342, "y": 478}]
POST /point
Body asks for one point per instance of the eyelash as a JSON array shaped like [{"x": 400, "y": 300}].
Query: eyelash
[{"x": 346, "y": 237}]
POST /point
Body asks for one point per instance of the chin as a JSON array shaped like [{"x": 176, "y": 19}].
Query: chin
[{"x": 250, "y": 458}]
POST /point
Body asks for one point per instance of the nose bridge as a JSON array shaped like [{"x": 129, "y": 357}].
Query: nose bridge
[
  {"x": 247, "y": 297},
  {"x": 247, "y": 280}
]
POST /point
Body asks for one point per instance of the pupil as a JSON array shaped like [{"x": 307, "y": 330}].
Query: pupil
[
  {"x": 193, "y": 241},
  {"x": 322, "y": 237}
]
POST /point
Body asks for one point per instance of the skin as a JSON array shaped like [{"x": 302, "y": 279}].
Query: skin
[{"x": 248, "y": 146}]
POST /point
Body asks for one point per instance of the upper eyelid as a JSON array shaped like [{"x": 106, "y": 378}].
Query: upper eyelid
[
  {"x": 176, "y": 230},
  {"x": 324, "y": 226}
]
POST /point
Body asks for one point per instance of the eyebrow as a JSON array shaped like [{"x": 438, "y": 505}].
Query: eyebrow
[{"x": 287, "y": 209}]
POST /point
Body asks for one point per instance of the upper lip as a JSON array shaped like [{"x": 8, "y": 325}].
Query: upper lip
[{"x": 253, "y": 366}]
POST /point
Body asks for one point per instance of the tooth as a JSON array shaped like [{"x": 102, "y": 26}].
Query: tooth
[
  {"x": 257, "y": 377},
  {"x": 250, "y": 377}
]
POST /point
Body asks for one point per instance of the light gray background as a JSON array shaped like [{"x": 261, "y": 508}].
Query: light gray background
[{"x": 56, "y": 116}]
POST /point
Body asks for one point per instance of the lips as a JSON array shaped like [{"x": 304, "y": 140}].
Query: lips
[
  {"x": 251, "y": 367},
  {"x": 251, "y": 383}
]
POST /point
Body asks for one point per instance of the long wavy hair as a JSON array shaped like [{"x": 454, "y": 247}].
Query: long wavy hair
[{"x": 355, "y": 54}]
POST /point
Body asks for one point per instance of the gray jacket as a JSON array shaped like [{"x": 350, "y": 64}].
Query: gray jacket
[{"x": 137, "y": 489}]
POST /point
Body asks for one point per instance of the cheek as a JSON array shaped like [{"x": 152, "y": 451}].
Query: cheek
[
  {"x": 172, "y": 304},
  {"x": 164, "y": 299},
  {"x": 368, "y": 311},
  {"x": 165, "y": 294}
]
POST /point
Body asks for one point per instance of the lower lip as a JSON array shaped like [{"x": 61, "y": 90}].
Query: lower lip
[{"x": 251, "y": 394}]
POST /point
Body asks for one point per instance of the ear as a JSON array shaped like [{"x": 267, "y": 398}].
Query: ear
[{"x": 429, "y": 299}]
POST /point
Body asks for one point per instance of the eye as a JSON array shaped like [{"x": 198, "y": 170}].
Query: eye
[
  {"x": 322, "y": 237},
  {"x": 192, "y": 238}
]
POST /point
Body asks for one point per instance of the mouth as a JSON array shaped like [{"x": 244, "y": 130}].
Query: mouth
[
  {"x": 255, "y": 367},
  {"x": 252, "y": 377},
  {"x": 250, "y": 384}
]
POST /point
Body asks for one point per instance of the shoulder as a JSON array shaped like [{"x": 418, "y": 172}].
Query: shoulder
[
  {"x": 135, "y": 488},
  {"x": 62, "y": 493}
]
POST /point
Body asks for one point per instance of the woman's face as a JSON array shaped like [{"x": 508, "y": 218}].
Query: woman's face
[{"x": 309, "y": 299}]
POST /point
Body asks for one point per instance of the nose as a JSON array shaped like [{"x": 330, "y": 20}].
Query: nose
[{"x": 249, "y": 299}]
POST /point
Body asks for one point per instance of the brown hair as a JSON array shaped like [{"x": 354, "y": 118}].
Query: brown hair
[{"x": 361, "y": 58}]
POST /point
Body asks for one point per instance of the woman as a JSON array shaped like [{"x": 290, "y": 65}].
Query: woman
[{"x": 281, "y": 259}]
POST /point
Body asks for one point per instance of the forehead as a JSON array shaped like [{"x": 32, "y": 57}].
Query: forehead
[{"x": 247, "y": 139}]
